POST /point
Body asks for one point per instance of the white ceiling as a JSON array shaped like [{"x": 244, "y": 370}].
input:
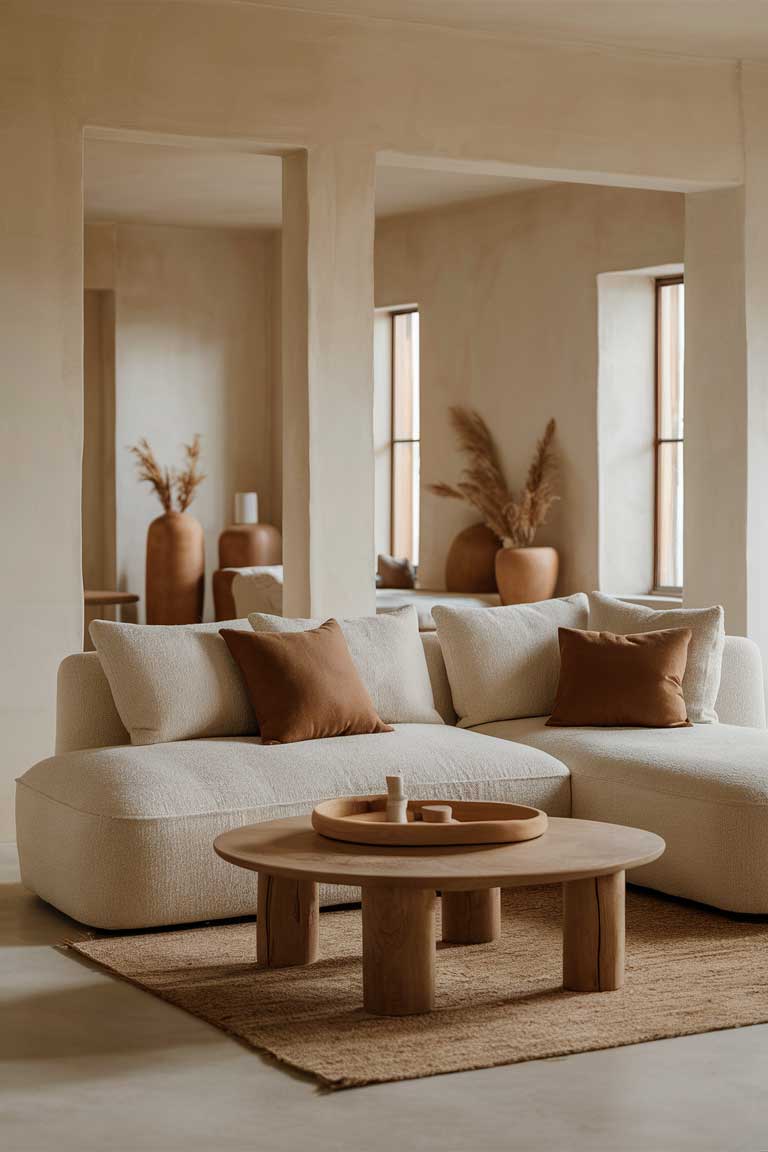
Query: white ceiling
[
  {"x": 732, "y": 29},
  {"x": 204, "y": 185}
]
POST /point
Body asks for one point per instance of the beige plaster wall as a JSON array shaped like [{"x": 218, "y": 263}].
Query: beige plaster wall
[
  {"x": 755, "y": 102},
  {"x": 507, "y": 293},
  {"x": 193, "y": 354},
  {"x": 286, "y": 80}
]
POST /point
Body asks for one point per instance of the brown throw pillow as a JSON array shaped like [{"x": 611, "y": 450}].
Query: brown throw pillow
[
  {"x": 394, "y": 573},
  {"x": 303, "y": 685},
  {"x": 621, "y": 681}
]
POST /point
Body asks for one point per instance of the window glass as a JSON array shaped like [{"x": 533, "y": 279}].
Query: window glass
[
  {"x": 405, "y": 435},
  {"x": 670, "y": 361},
  {"x": 671, "y": 354},
  {"x": 669, "y": 480}
]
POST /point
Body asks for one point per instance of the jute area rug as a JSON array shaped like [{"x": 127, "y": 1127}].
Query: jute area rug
[{"x": 689, "y": 970}]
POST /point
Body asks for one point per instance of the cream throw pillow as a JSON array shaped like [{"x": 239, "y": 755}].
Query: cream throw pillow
[
  {"x": 701, "y": 682},
  {"x": 504, "y": 663},
  {"x": 174, "y": 682},
  {"x": 389, "y": 656}
]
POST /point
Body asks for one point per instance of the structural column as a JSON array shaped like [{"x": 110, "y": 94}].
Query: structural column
[
  {"x": 726, "y": 384},
  {"x": 327, "y": 359},
  {"x": 716, "y": 408},
  {"x": 754, "y": 94},
  {"x": 41, "y": 404}
]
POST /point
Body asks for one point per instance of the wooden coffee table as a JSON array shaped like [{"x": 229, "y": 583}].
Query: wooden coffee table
[{"x": 399, "y": 888}]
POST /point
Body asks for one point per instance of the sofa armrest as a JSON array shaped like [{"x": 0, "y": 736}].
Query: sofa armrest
[
  {"x": 86, "y": 716},
  {"x": 741, "y": 699},
  {"x": 258, "y": 590},
  {"x": 223, "y": 600}
]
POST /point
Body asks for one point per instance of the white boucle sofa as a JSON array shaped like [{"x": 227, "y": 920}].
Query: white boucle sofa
[{"x": 121, "y": 837}]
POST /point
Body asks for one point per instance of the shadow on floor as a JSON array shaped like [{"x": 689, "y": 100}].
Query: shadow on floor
[{"x": 25, "y": 919}]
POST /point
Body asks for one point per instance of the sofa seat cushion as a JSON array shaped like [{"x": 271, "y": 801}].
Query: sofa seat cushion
[
  {"x": 122, "y": 837},
  {"x": 704, "y": 789},
  {"x": 195, "y": 777}
]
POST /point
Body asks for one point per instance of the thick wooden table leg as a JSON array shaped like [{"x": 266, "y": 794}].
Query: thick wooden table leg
[
  {"x": 286, "y": 921},
  {"x": 472, "y": 917},
  {"x": 398, "y": 950},
  {"x": 593, "y": 933}
]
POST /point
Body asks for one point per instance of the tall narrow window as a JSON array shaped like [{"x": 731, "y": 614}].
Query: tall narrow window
[
  {"x": 670, "y": 353},
  {"x": 405, "y": 435}
]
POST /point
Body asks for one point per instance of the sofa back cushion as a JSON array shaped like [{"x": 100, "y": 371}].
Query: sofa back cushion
[
  {"x": 175, "y": 682},
  {"x": 503, "y": 663},
  {"x": 705, "y": 652},
  {"x": 86, "y": 716},
  {"x": 389, "y": 656},
  {"x": 438, "y": 675},
  {"x": 741, "y": 699}
]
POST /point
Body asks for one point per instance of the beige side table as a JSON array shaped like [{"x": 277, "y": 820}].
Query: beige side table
[{"x": 399, "y": 888}]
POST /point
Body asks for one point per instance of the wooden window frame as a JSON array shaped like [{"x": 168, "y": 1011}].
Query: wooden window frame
[
  {"x": 409, "y": 311},
  {"x": 659, "y": 283}
]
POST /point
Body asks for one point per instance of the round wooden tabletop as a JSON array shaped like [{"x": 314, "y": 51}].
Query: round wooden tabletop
[{"x": 568, "y": 850}]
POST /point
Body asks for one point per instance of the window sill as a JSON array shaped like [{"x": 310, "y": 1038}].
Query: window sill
[{"x": 658, "y": 600}]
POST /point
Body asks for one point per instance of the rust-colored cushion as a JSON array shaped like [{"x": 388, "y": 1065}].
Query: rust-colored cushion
[
  {"x": 395, "y": 573},
  {"x": 303, "y": 685},
  {"x": 621, "y": 681}
]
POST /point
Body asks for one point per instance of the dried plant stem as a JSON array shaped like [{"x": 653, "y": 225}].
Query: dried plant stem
[
  {"x": 188, "y": 480},
  {"x": 165, "y": 481},
  {"x": 150, "y": 472},
  {"x": 515, "y": 519}
]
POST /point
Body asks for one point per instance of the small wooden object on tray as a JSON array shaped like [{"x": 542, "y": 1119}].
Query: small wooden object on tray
[{"x": 363, "y": 820}]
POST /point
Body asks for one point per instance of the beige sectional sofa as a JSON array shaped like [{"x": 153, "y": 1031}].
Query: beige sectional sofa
[{"x": 120, "y": 836}]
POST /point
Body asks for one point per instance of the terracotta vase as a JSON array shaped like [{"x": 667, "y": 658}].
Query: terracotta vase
[
  {"x": 175, "y": 570},
  {"x": 469, "y": 566},
  {"x": 525, "y": 575},
  {"x": 250, "y": 546}
]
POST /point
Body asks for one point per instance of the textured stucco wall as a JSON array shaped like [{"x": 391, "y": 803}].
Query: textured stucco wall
[
  {"x": 507, "y": 293},
  {"x": 193, "y": 343},
  {"x": 287, "y": 80}
]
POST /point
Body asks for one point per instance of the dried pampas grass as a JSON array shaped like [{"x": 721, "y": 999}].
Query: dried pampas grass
[
  {"x": 166, "y": 481},
  {"x": 515, "y": 519},
  {"x": 189, "y": 479}
]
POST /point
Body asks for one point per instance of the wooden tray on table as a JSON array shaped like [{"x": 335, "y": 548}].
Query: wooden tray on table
[{"x": 362, "y": 820}]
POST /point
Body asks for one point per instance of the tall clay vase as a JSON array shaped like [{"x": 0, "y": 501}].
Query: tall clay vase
[
  {"x": 469, "y": 566},
  {"x": 175, "y": 570},
  {"x": 525, "y": 575}
]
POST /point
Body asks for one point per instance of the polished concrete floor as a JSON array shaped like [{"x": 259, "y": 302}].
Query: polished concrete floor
[{"x": 91, "y": 1064}]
